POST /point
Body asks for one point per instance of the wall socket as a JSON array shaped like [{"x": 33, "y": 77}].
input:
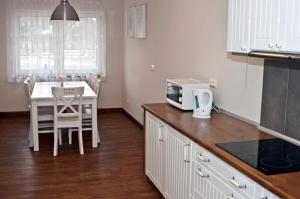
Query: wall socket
[
  {"x": 213, "y": 83},
  {"x": 153, "y": 67}
]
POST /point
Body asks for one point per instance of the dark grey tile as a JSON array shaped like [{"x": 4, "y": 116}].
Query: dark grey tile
[
  {"x": 293, "y": 106},
  {"x": 275, "y": 85}
]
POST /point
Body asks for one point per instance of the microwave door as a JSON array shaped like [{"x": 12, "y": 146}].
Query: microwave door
[{"x": 174, "y": 93}]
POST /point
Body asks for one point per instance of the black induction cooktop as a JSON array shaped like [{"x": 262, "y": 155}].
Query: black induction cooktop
[{"x": 272, "y": 156}]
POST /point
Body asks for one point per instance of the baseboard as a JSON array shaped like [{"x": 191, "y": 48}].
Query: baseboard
[
  {"x": 100, "y": 111},
  {"x": 27, "y": 113},
  {"x": 110, "y": 110},
  {"x": 133, "y": 119},
  {"x": 15, "y": 114}
]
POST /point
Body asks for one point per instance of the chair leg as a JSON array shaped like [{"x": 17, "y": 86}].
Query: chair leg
[
  {"x": 80, "y": 140},
  {"x": 30, "y": 139},
  {"x": 70, "y": 135},
  {"x": 29, "y": 133},
  {"x": 55, "y": 148},
  {"x": 30, "y": 136},
  {"x": 59, "y": 137},
  {"x": 98, "y": 137}
]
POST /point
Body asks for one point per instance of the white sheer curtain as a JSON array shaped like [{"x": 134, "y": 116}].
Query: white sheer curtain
[{"x": 48, "y": 49}]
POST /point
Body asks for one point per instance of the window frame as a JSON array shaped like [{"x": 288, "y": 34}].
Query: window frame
[{"x": 60, "y": 67}]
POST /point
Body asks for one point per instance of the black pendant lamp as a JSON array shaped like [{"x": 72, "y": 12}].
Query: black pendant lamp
[{"x": 64, "y": 11}]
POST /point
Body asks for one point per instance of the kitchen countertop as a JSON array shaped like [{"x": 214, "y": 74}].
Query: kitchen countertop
[{"x": 222, "y": 128}]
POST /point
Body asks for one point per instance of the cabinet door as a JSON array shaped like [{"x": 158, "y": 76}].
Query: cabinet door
[
  {"x": 178, "y": 154},
  {"x": 292, "y": 18},
  {"x": 205, "y": 185},
  {"x": 282, "y": 25},
  {"x": 239, "y": 26},
  {"x": 154, "y": 151},
  {"x": 265, "y": 25}
]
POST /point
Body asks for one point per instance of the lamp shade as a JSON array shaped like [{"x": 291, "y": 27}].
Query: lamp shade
[{"x": 64, "y": 11}]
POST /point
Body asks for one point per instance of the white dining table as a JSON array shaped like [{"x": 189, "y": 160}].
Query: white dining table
[{"x": 42, "y": 96}]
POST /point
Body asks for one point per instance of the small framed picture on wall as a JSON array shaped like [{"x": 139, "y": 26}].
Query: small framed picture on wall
[
  {"x": 136, "y": 21},
  {"x": 131, "y": 22},
  {"x": 140, "y": 21}
]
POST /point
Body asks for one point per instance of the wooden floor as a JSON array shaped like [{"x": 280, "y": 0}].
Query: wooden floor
[{"x": 114, "y": 170}]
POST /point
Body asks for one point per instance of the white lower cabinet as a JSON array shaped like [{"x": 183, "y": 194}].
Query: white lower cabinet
[
  {"x": 181, "y": 169},
  {"x": 205, "y": 185},
  {"x": 177, "y": 165},
  {"x": 154, "y": 152},
  {"x": 233, "y": 178}
]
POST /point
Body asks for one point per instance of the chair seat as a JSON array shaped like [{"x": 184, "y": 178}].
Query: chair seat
[
  {"x": 86, "y": 110},
  {"x": 42, "y": 118},
  {"x": 87, "y": 106},
  {"x": 45, "y": 108},
  {"x": 45, "y": 113},
  {"x": 68, "y": 119}
]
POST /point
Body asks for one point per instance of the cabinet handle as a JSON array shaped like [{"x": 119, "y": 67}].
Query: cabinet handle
[
  {"x": 186, "y": 153},
  {"x": 201, "y": 174},
  {"x": 265, "y": 197},
  {"x": 160, "y": 133},
  {"x": 230, "y": 196},
  {"x": 202, "y": 158},
  {"x": 236, "y": 183}
]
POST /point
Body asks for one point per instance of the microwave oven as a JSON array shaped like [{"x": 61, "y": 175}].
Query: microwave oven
[{"x": 179, "y": 92}]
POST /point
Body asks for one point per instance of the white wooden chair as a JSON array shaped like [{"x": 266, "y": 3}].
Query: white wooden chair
[
  {"x": 87, "y": 112},
  {"x": 91, "y": 79},
  {"x": 67, "y": 112},
  {"x": 45, "y": 114}
]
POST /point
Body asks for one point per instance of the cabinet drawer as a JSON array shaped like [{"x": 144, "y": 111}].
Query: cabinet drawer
[
  {"x": 205, "y": 185},
  {"x": 227, "y": 174}
]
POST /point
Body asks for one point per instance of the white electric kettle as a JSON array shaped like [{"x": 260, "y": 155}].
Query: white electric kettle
[{"x": 203, "y": 99}]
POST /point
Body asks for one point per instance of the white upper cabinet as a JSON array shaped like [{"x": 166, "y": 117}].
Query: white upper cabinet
[
  {"x": 268, "y": 25},
  {"x": 292, "y": 19},
  {"x": 239, "y": 26},
  {"x": 263, "y": 28}
]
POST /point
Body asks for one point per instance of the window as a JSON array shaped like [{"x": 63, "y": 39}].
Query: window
[
  {"x": 34, "y": 44},
  {"x": 48, "y": 49}
]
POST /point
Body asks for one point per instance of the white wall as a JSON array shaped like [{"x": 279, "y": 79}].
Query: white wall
[
  {"x": 185, "y": 39},
  {"x": 12, "y": 97},
  {"x": 188, "y": 39}
]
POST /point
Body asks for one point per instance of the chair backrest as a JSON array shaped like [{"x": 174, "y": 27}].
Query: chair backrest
[
  {"x": 31, "y": 83},
  {"x": 27, "y": 90},
  {"x": 64, "y": 78},
  {"x": 28, "y": 85},
  {"x": 91, "y": 79},
  {"x": 96, "y": 86},
  {"x": 67, "y": 102},
  {"x": 60, "y": 78}
]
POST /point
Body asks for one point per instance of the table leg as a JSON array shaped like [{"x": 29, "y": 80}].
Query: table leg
[
  {"x": 34, "y": 124},
  {"x": 94, "y": 124}
]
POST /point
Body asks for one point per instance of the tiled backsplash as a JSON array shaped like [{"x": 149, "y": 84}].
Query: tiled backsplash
[{"x": 281, "y": 97}]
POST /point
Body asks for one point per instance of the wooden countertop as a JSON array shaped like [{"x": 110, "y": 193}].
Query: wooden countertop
[{"x": 222, "y": 128}]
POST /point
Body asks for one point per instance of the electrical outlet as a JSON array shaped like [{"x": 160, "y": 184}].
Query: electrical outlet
[
  {"x": 213, "y": 83},
  {"x": 153, "y": 68}
]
